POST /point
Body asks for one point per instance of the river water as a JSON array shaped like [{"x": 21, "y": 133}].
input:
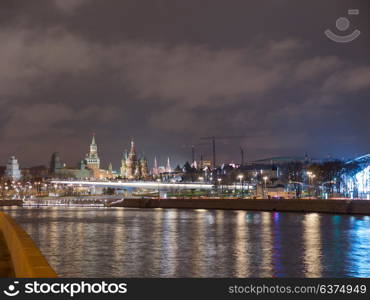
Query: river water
[{"x": 126, "y": 242}]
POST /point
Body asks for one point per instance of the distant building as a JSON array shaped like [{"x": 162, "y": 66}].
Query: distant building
[
  {"x": 281, "y": 160},
  {"x": 133, "y": 168},
  {"x": 92, "y": 160},
  {"x": 12, "y": 171},
  {"x": 36, "y": 172},
  {"x": 162, "y": 169},
  {"x": 168, "y": 166},
  {"x": 55, "y": 163},
  {"x": 60, "y": 170},
  {"x": 159, "y": 170},
  {"x": 81, "y": 172},
  {"x": 205, "y": 163},
  {"x": 88, "y": 168},
  {"x": 357, "y": 183},
  {"x": 144, "y": 169},
  {"x": 155, "y": 171}
]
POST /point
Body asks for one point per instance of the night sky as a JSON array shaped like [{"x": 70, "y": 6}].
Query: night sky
[{"x": 166, "y": 72}]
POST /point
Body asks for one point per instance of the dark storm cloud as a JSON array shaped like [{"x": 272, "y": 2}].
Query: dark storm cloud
[{"x": 168, "y": 72}]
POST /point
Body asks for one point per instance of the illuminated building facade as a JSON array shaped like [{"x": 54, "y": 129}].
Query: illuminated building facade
[
  {"x": 58, "y": 169},
  {"x": 133, "y": 168},
  {"x": 357, "y": 185},
  {"x": 144, "y": 169},
  {"x": 12, "y": 171},
  {"x": 92, "y": 160}
]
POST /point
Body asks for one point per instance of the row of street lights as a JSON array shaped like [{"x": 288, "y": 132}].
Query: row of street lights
[
  {"x": 240, "y": 177},
  {"x": 24, "y": 189}
]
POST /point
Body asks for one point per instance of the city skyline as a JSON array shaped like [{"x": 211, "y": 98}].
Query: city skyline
[
  {"x": 163, "y": 163},
  {"x": 213, "y": 72},
  {"x": 162, "y": 139}
]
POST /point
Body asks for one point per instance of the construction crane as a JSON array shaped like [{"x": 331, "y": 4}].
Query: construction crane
[
  {"x": 241, "y": 156},
  {"x": 214, "y": 138}
]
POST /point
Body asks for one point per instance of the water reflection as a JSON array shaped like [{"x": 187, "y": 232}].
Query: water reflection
[
  {"x": 266, "y": 245},
  {"x": 169, "y": 244},
  {"x": 157, "y": 241},
  {"x": 119, "y": 234},
  {"x": 120, "y": 242},
  {"x": 358, "y": 254},
  {"x": 241, "y": 244},
  {"x": 277, "y": 246},
  {"x": 312, "y": 245},
  {"x": 198, "y": 243}
]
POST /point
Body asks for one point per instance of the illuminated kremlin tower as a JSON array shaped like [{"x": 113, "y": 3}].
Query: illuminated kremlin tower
[
  {"x": 155, "y": 171},
  {"x": 92, "y": 160},
  {"x": 123, "y": 171},
  {"x": 131, "y": 163},
  {"x": 168, "y": 166}
]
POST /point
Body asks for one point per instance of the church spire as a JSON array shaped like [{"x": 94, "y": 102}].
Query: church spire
[
  {"x": 93, "y": 147},
  {"x": 93, "y": 139},
  {"x": 168, "y": 166},
  {"x": 132, "y": 149},
  {"x": 155, "y": 166}
]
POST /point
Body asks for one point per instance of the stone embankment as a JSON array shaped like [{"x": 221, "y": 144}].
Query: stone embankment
[{"x": 335, "y": 206}]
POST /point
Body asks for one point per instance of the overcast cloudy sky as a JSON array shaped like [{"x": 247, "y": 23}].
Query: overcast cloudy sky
[{"x": 167, "y": 72}]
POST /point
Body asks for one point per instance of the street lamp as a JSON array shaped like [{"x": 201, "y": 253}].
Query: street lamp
[
  {"x": 6, "y": 192},
  {"x": 265, "y": 180},
  {"x": 311, "y": 176}
]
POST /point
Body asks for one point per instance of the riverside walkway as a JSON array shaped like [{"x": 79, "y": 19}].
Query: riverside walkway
[{"x": 19, "y": 255}]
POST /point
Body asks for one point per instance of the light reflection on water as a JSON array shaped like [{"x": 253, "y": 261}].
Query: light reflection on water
[
  {"x": 266, "y": 242},
  {"x": 120, "y": 242},
  {"x": 312, "y": 245}
]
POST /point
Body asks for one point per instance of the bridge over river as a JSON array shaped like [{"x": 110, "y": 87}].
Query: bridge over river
[{"x": 149, "y": 185}]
